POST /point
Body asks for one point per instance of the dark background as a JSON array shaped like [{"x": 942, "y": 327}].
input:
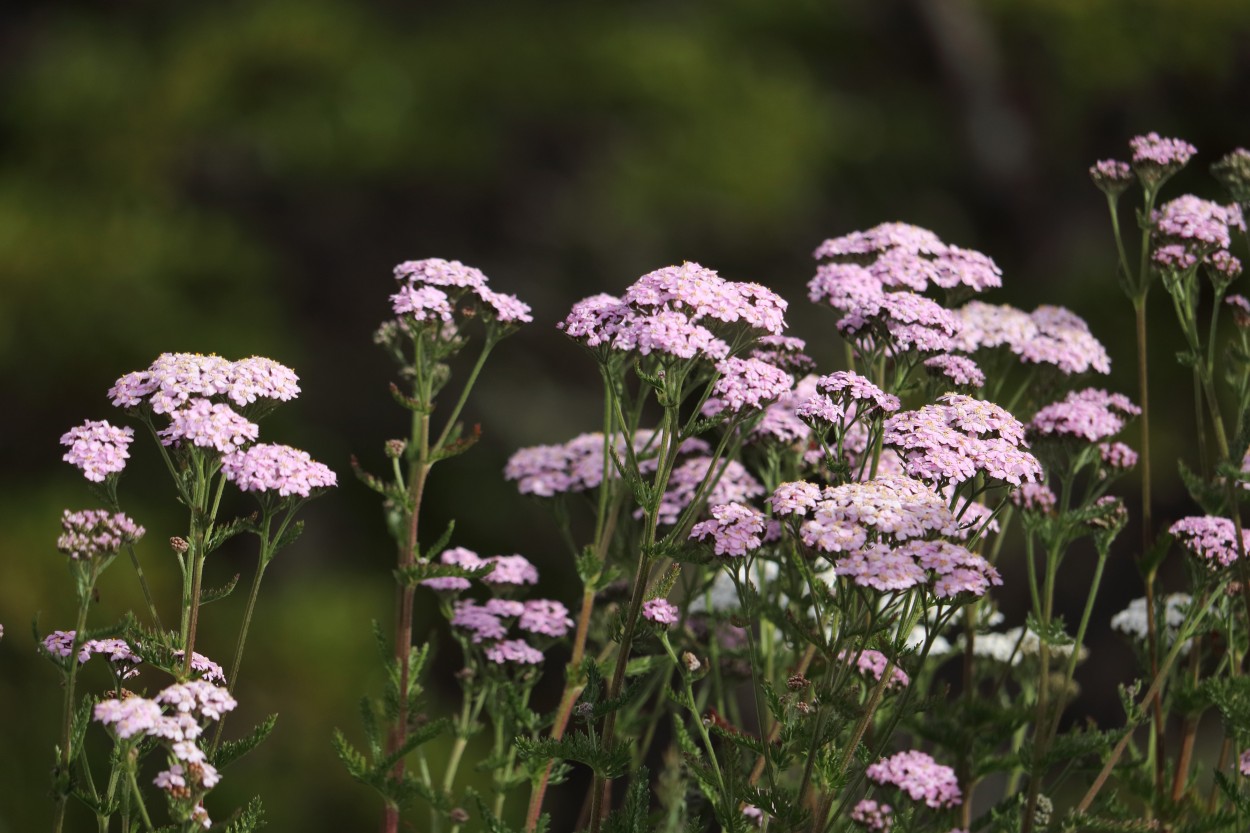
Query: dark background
[{"x": 239, "y": 178}]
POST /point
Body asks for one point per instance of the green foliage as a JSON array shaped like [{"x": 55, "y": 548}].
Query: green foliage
[
  {"x": 633, "y": 816},
  {"x": 579, "y": 747},
  {"x": 216, "y": 594},
  {"x": 231, "y": 750},
  {"x": 250, "y": 819}
]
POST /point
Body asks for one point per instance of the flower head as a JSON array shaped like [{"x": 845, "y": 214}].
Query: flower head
[
  {"x": 1111, "y": 176},
  {"x": 277, "y": 468},
  {"x": 917, "y": 774},
  {"x": 735, "y": 529},
  {"x": 1210, "y": 538},
  {"x": 546, "y": 617},
  {"x": 1089, "y": 414},
  {"x": 660, "y": 611},
  {"x": 432, "y": 289},
  {"x": 1155, "y": 157},
  {"x": 98, "y": 448},
  {"x": 513, "y": 651},
  {"x": 208, "y": 425},
  {"x": 96, "y": 533},
  {"x": 746, "y": 385}
]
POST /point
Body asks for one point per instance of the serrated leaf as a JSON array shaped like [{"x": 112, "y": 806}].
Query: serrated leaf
[
  {"x": 252, "y": 818},
  {"x": 633, "y": 816},
  {"x": 441, "y": 544},
  {"x": 355, "y": 763},
  {"x": 457, "y": 445},
  {"x": 580, "y": 747},
  {"x": 408, "y": 402},
  {"x": 225, "y": 532},
  {"x": 414, "y": 574},
  {"x": 215, "y": 594},
  {"x": 232, "y": 750},
  {"x": 1208, "y": 496},
  {"x": 416, "y": 737}
]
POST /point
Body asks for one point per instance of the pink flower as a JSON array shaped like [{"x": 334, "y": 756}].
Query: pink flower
[
  {"x": 918, "y": 775},
  {"x": 515, "y": 651},
  {"x": 98, "y": 448},
  {"x": 546, "y": 617},
  {"x": 660, "y": 611},
  {"x": 270, "y": 467},
  {"x": 735, "y": 529},
  {"x": 96, "y": 533}
]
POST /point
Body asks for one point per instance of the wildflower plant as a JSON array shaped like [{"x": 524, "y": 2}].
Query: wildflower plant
[
  {"x": 203, "y": 414},
  {"x": 788, "y": 613}
]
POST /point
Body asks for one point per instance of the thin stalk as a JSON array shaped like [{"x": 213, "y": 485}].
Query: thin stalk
[
  {"x": 67, "y": 725},
  {"x": 1185, "y": 634}
]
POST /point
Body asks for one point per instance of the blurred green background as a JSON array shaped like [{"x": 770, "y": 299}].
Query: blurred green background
[{"x": 239, "y": 178}]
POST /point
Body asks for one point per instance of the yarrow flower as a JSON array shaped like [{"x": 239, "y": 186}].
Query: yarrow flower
[
  {"x": 899, "y": 254},
  {"x": 96, "y": 533},
  {"x": 545, "y": 617},
  {"x": 482, "y": 624},
  {"x": 208, "y": 425},
  {"x": 904, "y": 322},
  {"x": 209, "y": 671},
  {"x": 578, "y": 465},
  {"x": 745, "y": 385},
  {"x": 794, "y": 498},
  {"x": 917, "y": 774},
  {"x": 672, "y": 312},
  {"x": 735, "y": 529},
  {"x": 1063, "y": 339},
  {"x": 852, "y": 390},
  {"x": 959, "y": 436},
  {"x": 873, "y": 664},
  {"x": 1117, "y": 456},
  {"x": 431, "y": 288},
  {"x": 1210, "y": 538},
  {"x": 1089, "y": 414},
  {"x": 511, "y": 569},
  {"x": 660, "y": 611},
  {"x": 959, "y": 370},
  {"x": 98, "y": 448},
  {"x": 513, "y": 651},
  {"x": 198, "y": 697},
  {"x": 1111, "y": 176},
  {"x": 277, "y": 468},
  {"x": 1156, "y": 158},
  {"x": 895, "y": 506},
  {"x": 1034, "y": 497},
  {"x": 873, "y": 816},
  {"x": 176, "y": 378}
]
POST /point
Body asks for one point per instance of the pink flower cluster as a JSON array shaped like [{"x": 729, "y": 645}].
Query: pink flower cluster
[
  {"x": 1190, "y": 230},
  {"x": 98, "y": 448},
  {"x": 873, "y": 816},
  {"x": 175, "y": 378},
  {"x": 117, "y": 651},
  {"x": 735, "y": 528},
  {"x": 785, "y": 352},
  {"x": 95, "y": 533},
  {"x": 209, "y": 425},
  {"x": 903, "y": 320},
  {"x": 958, "y": 437},
  {"x": 660, "y": 611},
  {"x": 1049, "y": 335},
  {"x": 433, "y": 288},
  {"x": 899, "y": 254},
  {"x": 745, "y": 385},
  {"x": 844, "y": 517},
  {"x": 1089, "y": 414},
  {"x": 950, "y": 568},
  {"x": 958, "y": 370},
  {"x": 1111, "y": 175},
  {"x": 1153, "y": 150},
  {"x": 672, "y": 312},
  {"x": 853, "y": 391},
  {"x": 917, "y": 774},
  {"x": 209, "y": 671},
  {"x": 1210, "y": 538},
  {"x": 1117, "y": 456},
  {"x": 489, "y": 623},
  {"x": 276, "y": 468},
  {"x": 873, "y": 664}
]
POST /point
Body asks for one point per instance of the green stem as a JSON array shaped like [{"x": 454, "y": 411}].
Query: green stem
[{"x": 67, "y": 725}]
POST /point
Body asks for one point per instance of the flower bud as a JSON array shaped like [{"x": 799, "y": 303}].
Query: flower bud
[
  {"x": 395, "y": 448},
  {"x": 179, "y": 545}
]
